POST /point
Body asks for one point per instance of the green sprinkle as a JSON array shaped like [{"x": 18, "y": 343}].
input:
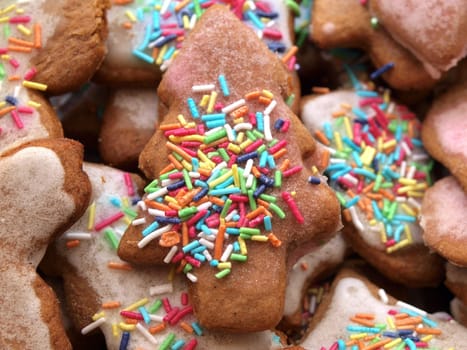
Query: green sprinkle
[
  {"x": 130, "y": 212},
  {"x": 277, "y": 178},
  {"x": 166, "y": 175},
  {"x": 392, "y": 210},
  {"x": 242, "y": 182},
  {"x": 111, "y": 238},
  {"x": 277, "y": 210},
  {"x": 222, "y": 273},
  {"x": 377, "y": 186},
  {"x": 268, "y": 198},
  {"x": 187, "y": 268},
  {"x": 2, "y": 71},
  {"x": 258, "y": 133},
  {"x": 238, "y": 257},
  {"x": 167, "y": 341},
  {"x": 6, "y": 30},
  {"x": 226, "y": 208},
  {"x": 215, "y": 136},
  {"x": 250, "y": 231},
  {"x": 187, "y": 179},
  {"x": 302, "y": 37},
  {"x": 290, "y": 100},
  {"x": 245, "y": 236},
  {"x": 155, "y": 306},
  {"x": 224, "y": 155},
  {"x": 294, "y": 7},
  {"x": 261, "y": 149},
  {"x": 152, "y": 187},
  {"x": 251, "y": 199},
  {"x": 250, "y": 135},
  {"x": 341, "y": 198},
  {"x": 185, "y": 212}
]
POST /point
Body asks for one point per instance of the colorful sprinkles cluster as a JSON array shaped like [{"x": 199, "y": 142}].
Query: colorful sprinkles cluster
[
  {"x": 405, "y": 327},
  {"x": 166, "y": 23},
  {"x": 19, "y": 37},
  {"x": 378, "y": 166},
  {"x": 215, "y": 188}
]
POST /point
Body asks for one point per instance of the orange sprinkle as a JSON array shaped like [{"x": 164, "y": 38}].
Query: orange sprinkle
[
  {"x": 400, "y": 316},
  {"x": 216, "y": 200},
  {"x": 169, "y": 239},
  {"x": 263, "y": 203},
  {"x": 201, "y": 201},
  {"x": 156, "y": 205},
  {"x": 255, "y": 171},
  {"x": 434, "y": 331},
  {"x": 320, "y": 89},
  {"x": 276, "y": 242},
  {"x": 219, "y": 242},
  {"x": 181, "y": 5},
  {"x": 304, "y": 267},
  {"x": 37, "y": 36},
  {"x": 175, "y": 162},
  {"x": 6, "y": 110},
  {"x": 264, "y": 100},
  {"x": 378, "y": 344},
  {"x": 363, "y": 321},
  {"x": 347, "y": 216},
  {"x": 170, "y": 126},
  {"x": 339, "y": 113},
  {"x": 288, "y": 55},
  {"x": 285, "y": 165},
  {"x": 239, "y": 112},
  {"x": 409, "y": 321},
  {"x": 18, "y": 48},
  {"x": 322, "y": 138},
  {"x": 155, "y": 53},
  {"x": 122, "y": 2},
  {"x": 14, "y": 78},
  {"x": 186, "y": 327},
  {"x": 410, "y": 326},
  {"x": 168, "y": 168},
  {"x": 174, "y": 206},
  {"x": 255, "y": 213},
  {"x": 73, "y": 243},
  {"x": 325, "y": 157},
  {"x": 280, "y": 153},
  {"x": 365, "y": 316},
  {"x": 111, "y": 305},
  {"x": 387, "y": 194},
  {"x": 375, "y": 196},
  {"x": 174, "y": 148},
  {"x": 188, "y": 197},
  {"x": 127, "y": 25},
  {"x": 252, "y": 95},
  {"x": 204, "y": 172},
  {"x": 21, "y": 42},
  {"x": 351, "y": 342},
  {"x": 131, "y": 321},
  {"x": 119, "y": 266},
  {"x": 368, "y": 188},
  {"x": 185, "y": 237}
]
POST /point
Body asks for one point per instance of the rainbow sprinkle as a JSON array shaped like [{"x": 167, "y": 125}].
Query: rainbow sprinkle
[
  {"x": 167, "y": 22},
  {"x": 378, "y": 166},
  {"x": 19, "y": 36},
  {"x": 403, "y": 328},
  {"x": 215, "y": 190}
]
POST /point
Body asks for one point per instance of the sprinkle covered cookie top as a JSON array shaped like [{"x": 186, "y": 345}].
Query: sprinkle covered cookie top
[
  {"x": 158, "y": 27},
  {"x": 217, "y": 192}
]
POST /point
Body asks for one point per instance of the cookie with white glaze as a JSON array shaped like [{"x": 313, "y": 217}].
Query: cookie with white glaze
[
  {"x": 312, "y": 208},
  {"x": 147, "y": 306},
  {"x": 377, "y": 162},
  {"x": 43, "y": 191}
]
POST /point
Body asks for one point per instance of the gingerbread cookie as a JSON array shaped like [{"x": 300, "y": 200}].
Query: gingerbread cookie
[
  {"x": 380, "y": 172},
  {"x": 225, "y": 229},
  {"x": 132, "y": 306},
  {"x": 456, "y": 281},
  {"x": 443, "y": 220},
  {"x": 355, "y": 306},
  {"x": 43, "y": 191},
  {"x": 432, "y": 31},
  {"x": 128, "y": 123},
  {"x": 443, "y": 131},
  {"x": 343, "y": 23},
  {"x": 44, "y": 51},
  {"x": 459, "y": 311}
]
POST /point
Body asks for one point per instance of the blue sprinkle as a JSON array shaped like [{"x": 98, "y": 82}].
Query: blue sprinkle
[
  {"x": 222, "y": 191},
  {"x": 314, "y": 180},
  {"x": 352, "y": 201},
  {"x": 260, "y": 121},
  {"x": 142, "y": 310},
  {"x": 142, "y": 56},
  {"x": 190, "y": 246},
  {"x": 156, "y": 21},
  {"x": 146, "y": 39},
  {"x": 214, "y": 263},
  {"x": 341, "y": 344},
  {"x": 271, "y": 162},
  {"x": 201, "y": 194},
  {"x": 124, "y": 340},
  {"x": 276, "y": 47},
  {"x": 430, "y": 322},
  {"x": 169, "y": 53},
  {"x": 362, "y": 329},
  {"x": 152, "y": 227},
  {"x": 327, "y": 128},
  {"x": 164, "y": 40},
  {"x": 206, "y": 230},
  {"x": 215, "y": 123},
  {"x": 359, "y": 113},
  {"x": 263, "y": 159},
  {"x": 267, "y": 223},
  {"x": 367, "y": 93},
  {"x": 198, "y": 250},
  {"x": 278, "y": 124},
  {"x": 200, "y": 257},
  {"x": 11, "y": 100},
  {"x": 259, "y": 190},
  {"x": 410, "y": 344},
  {"x": 176, "y": 185},
  {"x": 270, "y": 15},
  {"x": 398, "y": 233},
  {"x": 376, "y": 211},
  {"x": 244, "y": 157},
  {"x": 407, "y": 218},
  {"x": 224, "y": 86},
  {"x": 115, "y": 201},
  {"x": 236, "y": 246},
  {"x": 380, "y": 71},
  {"x": 178, "y": 344},
  {"x": 254, "y": 19},
  {"x": 266, "y": 180},
  {"x": 213, "y": 116},
  {"x": 167, "y": 220},
  {"x": 197, "y": 328},
  {"x": 232, "y": 231},
  {"x": 192, "y": 106}
]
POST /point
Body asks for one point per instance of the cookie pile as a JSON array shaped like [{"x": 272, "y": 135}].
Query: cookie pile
[{"x": 255, "y": 174}]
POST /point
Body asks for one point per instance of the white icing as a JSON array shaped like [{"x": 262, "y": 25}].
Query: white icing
[
  {"x": 90, "y": 260},
  {"x": 352, "y": 296},
  {"x": 330, "y": 254},
  {"x": 34, "y": 206},
  {"x": 141, "y": 106}
]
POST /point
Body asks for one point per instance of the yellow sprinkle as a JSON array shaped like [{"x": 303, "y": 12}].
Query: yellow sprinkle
[
  {"x": 372, "y": 222},
  {"x": 5, "y": 57},
  {"x": 180, "y": 139},
  {"x": 268, "y": 94},
  {"x": 390, "y": 322},
  {"x": 346, "y": 106},
  {"x": 187, "y": 165},
  {"x": 405, "y": 189},
  {"x": 2, "y": 104},
  {"x": 397, "y": 246},
  {"x": 181, "y": 119},
  {"x": 408, "y": 233},
  {"x": 427, "y": 338},
  {"x": 127, "y": 220},
  {"x": 393, "y": 343},
  {"x": 130, "y": 15},
  {"x": 389, "y": 144},
  {"x": 125, "y": 201},
  {"x": 245, "y": 144},
  {"x": 238, "y": 120},
  {"x": 98, "y": 315},
  {"x": 8, "y": 9},
  {"x": 126, "y": 327},
  {"x": 368, "y": 155},
  {"x": 240, "y": 137},
  {"x": 205, "y": 159},
  {"x": 415, "y": 194},
  {"x": 34, "y": 85},
  {"x": 358, "y": 336},
  {"x": 136, "y": 304},
  {"x": 235, "y": 175},
  {"x": 115, "y": 331},
  {"x": 387, "y": 96},
  {"x": 212, "y": 101},
  {"x": 421, "y": 186},
  {"x": 384, "y": 238},
  {"x": 170, "y": 199},
  {"x": 224, "y": 265},
  {"x": 234, "y": 148},
  {"x": 293, "y": 193},
  {"x": 204, "y": 101},
  {"x": 220, "y": 179},
  {"x": 160, "y": 56},
  {"x": 338, "y": 140},
  {"x": 24, "y": 30},
  {"x": 408, "y": 209},
  {"x": 186, "y": 22},
  {"x": 92, "y": 216},
  {"x": 314, "y": 170},
  {"x": 34, "y": 104},
  {"x": 242, "y": 244},
  {"x": 19, "y": 11},
  {"x": 4, "y": 19},
  {"x": 405, "y": 181},
  {"x": 259, "y": 238},
  {"x": 190, "y": 125},
  {"x": 348, "y": 128}
]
